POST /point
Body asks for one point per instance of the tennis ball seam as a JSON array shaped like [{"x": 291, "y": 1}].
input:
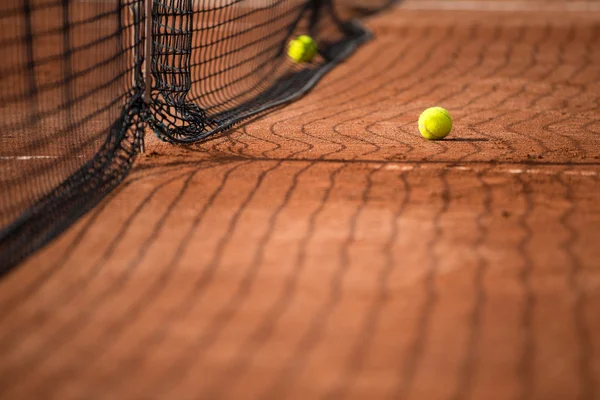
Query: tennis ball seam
[{"x": 433, "y": 134}]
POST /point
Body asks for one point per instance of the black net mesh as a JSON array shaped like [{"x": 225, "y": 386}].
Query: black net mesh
[
  {"x": 69, "y": 113},
  {"x": 73, "y": 75},
  {"x": 217, "y": 62}
]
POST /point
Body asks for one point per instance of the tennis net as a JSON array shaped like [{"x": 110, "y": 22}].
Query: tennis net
[{"x": 79, "y": 92}]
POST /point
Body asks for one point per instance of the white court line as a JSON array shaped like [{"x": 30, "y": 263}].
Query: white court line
[
  {"x": 394, "y": 167},
  {"x": 466, "y": 5},
  {"x": 24, "y": 158},
  {"x": 497, "y": 170},
  {"x": 534, "y": 171},
  {"x": 581, "y": 173},
  {"x": 27, "y": 157}
]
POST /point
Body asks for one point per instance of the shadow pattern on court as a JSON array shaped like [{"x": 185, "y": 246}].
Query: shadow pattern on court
[{"x": 327, "y": 251}]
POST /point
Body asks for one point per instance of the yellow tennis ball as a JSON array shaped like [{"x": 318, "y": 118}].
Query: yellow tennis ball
[
  {"x": 302, "y": 49},
  {"x": 435, "y": 123}
]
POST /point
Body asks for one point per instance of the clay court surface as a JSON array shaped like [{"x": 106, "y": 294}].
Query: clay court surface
[{"x": 325, "y": 250}]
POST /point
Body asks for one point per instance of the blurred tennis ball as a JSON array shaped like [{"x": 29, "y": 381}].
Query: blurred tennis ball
[
  {"x": 435, "y": 123},
  {"x": 302, "y": 49}
]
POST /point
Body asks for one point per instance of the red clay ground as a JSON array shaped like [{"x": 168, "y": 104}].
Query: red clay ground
[{"x": 327, "y": 251}]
